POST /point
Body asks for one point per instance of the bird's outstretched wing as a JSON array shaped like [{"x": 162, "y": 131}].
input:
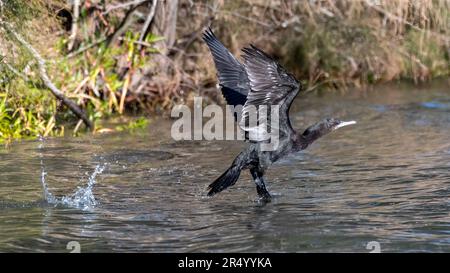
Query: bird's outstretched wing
[
  {"x": 270, "y": 85},
  {"x": 232, "y": 76}
]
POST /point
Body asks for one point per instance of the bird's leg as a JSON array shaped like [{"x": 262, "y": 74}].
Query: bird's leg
[{"x": 260, "y": 185}]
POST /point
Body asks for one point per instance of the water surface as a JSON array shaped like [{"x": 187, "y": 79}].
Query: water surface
[{"x": 386, "y": 179}]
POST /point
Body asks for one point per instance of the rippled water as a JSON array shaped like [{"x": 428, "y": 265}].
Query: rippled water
[{"x": 385, "y": 179}]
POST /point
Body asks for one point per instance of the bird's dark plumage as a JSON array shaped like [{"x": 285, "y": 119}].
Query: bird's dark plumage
[
  {"x": 232, "y": 76},
  {"x": 270, "y": 84},
  {"x": 260, "y": 82}
]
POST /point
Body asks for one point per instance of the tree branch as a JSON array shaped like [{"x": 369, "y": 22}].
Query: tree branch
[
  {"x": 127, "y": 20},
  {"x": 146, "y": 27},
  {"x": 124, "y": 5},
  {"x": 84, "y": 48},
  {"x": 73, "y": 31}
]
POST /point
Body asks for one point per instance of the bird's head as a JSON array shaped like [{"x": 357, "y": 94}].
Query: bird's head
[{"x": 324, "y": 127}]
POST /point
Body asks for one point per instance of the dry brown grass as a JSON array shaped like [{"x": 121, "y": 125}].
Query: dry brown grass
[{"x": 339, "y": 43}]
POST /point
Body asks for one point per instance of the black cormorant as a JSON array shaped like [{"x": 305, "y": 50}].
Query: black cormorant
[{"x": 260, "y": 80}]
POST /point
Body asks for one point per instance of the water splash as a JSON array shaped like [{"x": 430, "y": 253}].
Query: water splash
[
  {"x": 48, "y": 196},
  {"x": 83, "y": 198}
]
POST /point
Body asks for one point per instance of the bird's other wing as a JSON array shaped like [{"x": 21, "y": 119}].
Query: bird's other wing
[
  {"x": 270, "y": 85},
  {"x": 232, "y": 76}
]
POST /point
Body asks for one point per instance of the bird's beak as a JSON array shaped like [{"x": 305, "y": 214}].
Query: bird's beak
[{"x": 344, "y": 123}]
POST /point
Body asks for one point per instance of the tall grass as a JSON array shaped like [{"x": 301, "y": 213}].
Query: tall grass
[{"x": 342, "y": 43}]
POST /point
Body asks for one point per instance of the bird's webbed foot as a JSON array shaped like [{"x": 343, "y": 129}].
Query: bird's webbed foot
[{"x": 263, "y": 193}]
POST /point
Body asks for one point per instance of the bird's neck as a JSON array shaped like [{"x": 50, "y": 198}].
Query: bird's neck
[
  {"x": 300, "y": 141},
  {"x": 303, "y": 140}
]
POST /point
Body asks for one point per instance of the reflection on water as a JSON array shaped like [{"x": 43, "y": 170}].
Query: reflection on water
[{"x": 385, "y": 179}]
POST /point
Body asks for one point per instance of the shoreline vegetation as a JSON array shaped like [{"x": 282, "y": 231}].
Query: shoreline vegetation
[{"x": 137, "y": 58}]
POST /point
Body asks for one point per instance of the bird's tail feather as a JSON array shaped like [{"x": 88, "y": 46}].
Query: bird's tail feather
[{"x": 227, "y": 179}]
